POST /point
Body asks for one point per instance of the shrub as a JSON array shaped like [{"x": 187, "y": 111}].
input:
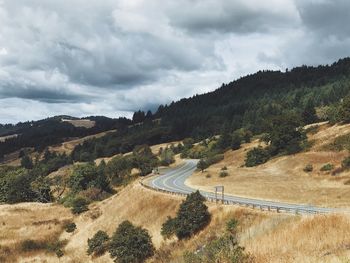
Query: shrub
[
  {"x": 191, "y": 217},
  {"x": 235, "y": 141},
  {"x": 223, "y": 174},
  {"x": 130, "y": 244},
  {"x": 59, "y": 253},
  {"x": 31, "y": 245},
  {"x": 169, "y": 227},
  {"x": 70, "y": 227},
  {"x": 79, "y": 205},
  {"x": 202, "y": 165},
  {"x": 346, "y": 163},
  {"x": 327, "y": 167},
  {"x": 224, "y": 168},
  {"x": 91, "y": 194},
  {"x": 221, "y": 249},
  {"x": 257, "y": 156},
  {"x": 98, "y": 244},
  {"x": 308, "y": 168}
]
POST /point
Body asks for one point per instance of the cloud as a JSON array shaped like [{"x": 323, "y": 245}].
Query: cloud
[
  {"x": 114, "y": 57},
  {"x": 233, "y": 16}
]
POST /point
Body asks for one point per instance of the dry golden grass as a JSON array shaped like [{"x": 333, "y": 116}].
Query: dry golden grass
[
  {"x": 134, "y": 203},
  {"x": 283, "y": 178},
  {"x": 303, "y": 239},
  {"x": 269, "y": 237},
  {"x": 81, "y": 123},
  {"x": 39, "y": 222}
]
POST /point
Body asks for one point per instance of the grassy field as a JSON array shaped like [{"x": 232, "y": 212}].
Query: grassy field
[
  {"x": 81, "y": 123},
  {"x": 269, "y": 237},
  {"x": 283, "y": 178}
]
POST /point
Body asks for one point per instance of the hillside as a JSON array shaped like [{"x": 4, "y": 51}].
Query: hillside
[
  {"x": 251, "y": 102},
  {"x": 261, "y": 233},
  {"x": 283, "y": 178}
]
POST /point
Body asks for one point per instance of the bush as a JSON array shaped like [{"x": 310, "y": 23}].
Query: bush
[
  {"x": 131, "y": 244},
  {"x": 223, "y": 174},
  {"x": 98, "y": 244},
  {"x": 327, "y": 167},
  {"x": 70, "y": 227},
  {"x": 169, "y": 227},
  {"x": 79, "y": 205},
  {"x": 257, "y": 156},
  {"x": 50, "y": 247},
  {"x": 308, "y": 168},
  {"x": 346, "y": 163},
  {"x": 31, "y": 245},
  {"x": 221, "y": 249},
  {"x": 202, "y": 165},
  {"x": 192, "y": 217},
  {"x": 59, "y": 253}
]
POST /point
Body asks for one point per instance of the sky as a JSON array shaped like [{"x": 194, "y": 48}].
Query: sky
[{"x": 113, "y": 57}]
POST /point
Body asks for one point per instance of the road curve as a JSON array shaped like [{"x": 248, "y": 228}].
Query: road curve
[{"x": 173, "y": 181}]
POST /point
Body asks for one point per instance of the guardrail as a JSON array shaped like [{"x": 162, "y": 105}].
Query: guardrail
[{"x": 262, "y": 207}]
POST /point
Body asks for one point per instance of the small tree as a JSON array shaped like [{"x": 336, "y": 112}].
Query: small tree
[
  {"x": 345, "y": 110},
  {"x": 169, "y": 227},
  {"x": 130, "y": 244},
  {"x": 192, "y": 216},
  {"x": 256, "y": 156},
  {"x": 98, "y": 244},
  {"x": 26, "y": 162},
  {"x": 202, "y": 165},
  {"x": 309, "y": 113},
  {"x": 79, "y": 205},
  {"x": 236, "y": 141},
  {"x": 70, "y": 227}
]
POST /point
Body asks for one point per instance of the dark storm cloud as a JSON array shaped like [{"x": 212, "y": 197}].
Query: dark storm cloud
[
  {"x": 326, "y": 18},
  {"x": 40, "y": 94},
  {"x": 109, "y": 57},
  {"x": 240, "y": 17}
]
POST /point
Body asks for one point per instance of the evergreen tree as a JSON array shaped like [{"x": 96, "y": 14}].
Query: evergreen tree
[
  {"x": 309, "y": 113},
  {"x": 130, "y": 244},
  {"x": 193, "y": 216},
  {"x": 26, "y": 162}
]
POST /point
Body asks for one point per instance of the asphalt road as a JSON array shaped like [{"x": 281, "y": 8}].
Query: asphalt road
[{"x": 173, "y": 180}]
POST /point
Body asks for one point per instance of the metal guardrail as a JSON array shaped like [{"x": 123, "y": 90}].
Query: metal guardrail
[{"x": 275, "y": 208}]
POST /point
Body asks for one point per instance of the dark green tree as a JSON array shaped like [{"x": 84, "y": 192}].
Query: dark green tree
[
  {"x": 235, "y": 141},
  {"x": 309, "y": 113},
  {"x": 26, "y": 162},
  {"x": 130, "y": 244},
  {"x": 98, "y": 244},
  {"x": 193, "y": 216},
  {"x": 256, "y": 156},
  {"x": 202, "y": 165},
  {"x": 345, "y": 110}
]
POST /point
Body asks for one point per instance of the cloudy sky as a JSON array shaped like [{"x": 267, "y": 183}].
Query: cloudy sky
[{"x": 112, "y": 57}]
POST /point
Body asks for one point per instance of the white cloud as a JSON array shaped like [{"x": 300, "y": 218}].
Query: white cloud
[{"x": 112, "y": 57}]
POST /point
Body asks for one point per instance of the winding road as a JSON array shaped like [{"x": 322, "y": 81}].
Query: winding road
[{"x": 173, "y": 181}]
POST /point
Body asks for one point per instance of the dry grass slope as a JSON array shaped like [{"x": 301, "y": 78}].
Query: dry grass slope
[{"x": 283, "y": 178}]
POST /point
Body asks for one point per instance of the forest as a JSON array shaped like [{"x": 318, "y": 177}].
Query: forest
[{"x": 252, "y": 103}]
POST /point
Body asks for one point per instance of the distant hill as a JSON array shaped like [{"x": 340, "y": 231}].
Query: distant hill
[
  {"x": 249, "y": 102},
  {"x": 43, "y": 133}
]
